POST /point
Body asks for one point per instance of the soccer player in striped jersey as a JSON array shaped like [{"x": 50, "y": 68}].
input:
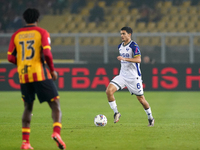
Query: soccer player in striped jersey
[
  {"x": 30, "y": 50},
  {"x": 129, "y": 76}
]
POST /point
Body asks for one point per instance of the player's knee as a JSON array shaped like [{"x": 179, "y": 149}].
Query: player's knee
[
  {"x": 28, "y": 107},
  {"x": 26, "y": 120},
  {"x": 109, "y": 91},
  {"x": 141, "y": 99}
]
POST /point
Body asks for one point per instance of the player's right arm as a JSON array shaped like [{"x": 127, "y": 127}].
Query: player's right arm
[
  {"x": 136, "y": 54},
  {"x": 136, "y": 59},
  {"x": 48, "y": 55}
]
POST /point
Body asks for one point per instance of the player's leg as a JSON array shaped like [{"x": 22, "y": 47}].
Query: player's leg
[
  {"x": 28, "y": 97},
  {"x": 116, "y": 84},
  {"x": 26, "y": 117},
  {"x": 26, "y": 120},
  {"x": 143, "y": 101},
  {"x": 46, "y": 91},
  {"x": 135, "y": 87},
  {"x": 56, "y": 116},
  {"x": 111, "y": 89},
  {"x": 147, "y": 109}
]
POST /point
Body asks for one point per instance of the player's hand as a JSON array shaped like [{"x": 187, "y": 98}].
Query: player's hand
[
  {"x": 120, "y": 58},
  {"x": 54, "y": 75}
]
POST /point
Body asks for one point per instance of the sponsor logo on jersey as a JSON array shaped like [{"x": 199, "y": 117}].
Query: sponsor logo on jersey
[{"x": 137, "y": 50}]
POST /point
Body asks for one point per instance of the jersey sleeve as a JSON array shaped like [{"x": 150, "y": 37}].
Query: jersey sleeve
[
  {"x": 119, "y": 45},
  {"x": 135, "y": 48},
  {"x": 46, "y": 40},
  {"x": 47, "y": 50},
  {"x": 11, "y": 54}
]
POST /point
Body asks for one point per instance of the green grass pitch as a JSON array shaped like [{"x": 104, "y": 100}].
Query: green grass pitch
[{"x": 177, "y": 122}]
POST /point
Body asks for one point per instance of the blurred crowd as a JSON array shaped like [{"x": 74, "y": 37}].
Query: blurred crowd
[
  {"x": 148, "y": 11},
  {"x": 11, "y": 10}
]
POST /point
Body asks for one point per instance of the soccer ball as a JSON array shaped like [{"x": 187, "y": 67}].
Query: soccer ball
[{"x": 100, "y": 120}]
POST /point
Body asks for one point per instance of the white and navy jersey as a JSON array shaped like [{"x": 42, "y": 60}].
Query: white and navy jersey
[{"x": 129, "y": 70}]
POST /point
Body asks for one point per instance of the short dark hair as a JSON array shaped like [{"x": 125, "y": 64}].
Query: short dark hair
[
  {"x": 128, "y": 30},
  {"x": 31, "y": 15}
]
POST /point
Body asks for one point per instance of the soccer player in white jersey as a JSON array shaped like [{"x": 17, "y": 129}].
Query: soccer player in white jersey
[{"x": 129, "y": 76}]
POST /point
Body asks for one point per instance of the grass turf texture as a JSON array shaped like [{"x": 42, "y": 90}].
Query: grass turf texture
[{"x": 177, "y": 122}]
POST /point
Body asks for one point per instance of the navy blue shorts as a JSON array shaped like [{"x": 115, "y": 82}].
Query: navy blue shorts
[{"x": 46, "y": 91}]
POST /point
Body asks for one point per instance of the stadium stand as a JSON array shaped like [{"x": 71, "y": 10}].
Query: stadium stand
[
  {"x": 165, "y": 16},
  {"x": 181, "y": 18}
]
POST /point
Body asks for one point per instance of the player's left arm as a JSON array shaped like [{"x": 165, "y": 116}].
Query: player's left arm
[
  {"x": 136, "y": 54},
  {"x": 12, "y": 53}
]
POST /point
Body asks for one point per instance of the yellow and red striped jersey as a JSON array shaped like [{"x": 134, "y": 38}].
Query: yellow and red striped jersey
[{"x": 27, "y": 45}]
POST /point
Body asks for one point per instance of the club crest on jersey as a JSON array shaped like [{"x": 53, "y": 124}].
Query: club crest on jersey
[{"x": 127, "y": 49}]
